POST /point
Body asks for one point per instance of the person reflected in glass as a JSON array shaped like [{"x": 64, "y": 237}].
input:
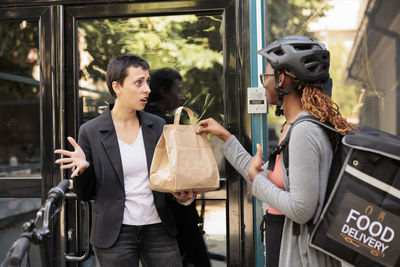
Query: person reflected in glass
[
  {"x": 112, "y": 159},
  {"x": 297, "y": 71},
  {"x": 166, "y": 95}
]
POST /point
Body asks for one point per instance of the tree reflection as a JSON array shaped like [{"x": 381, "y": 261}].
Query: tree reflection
[{"x": 189, "y": 43}]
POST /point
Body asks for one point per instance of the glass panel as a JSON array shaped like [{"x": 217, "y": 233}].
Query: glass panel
[
  {"x": 214, "y": 227},
  {"x": 190, "y": 45},
  {"x": 14, "y": 212},
  {"x": 19, "y": 99}
]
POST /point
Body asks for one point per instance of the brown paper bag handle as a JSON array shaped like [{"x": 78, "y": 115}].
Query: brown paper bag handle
[{"x": 178, "y": 115}]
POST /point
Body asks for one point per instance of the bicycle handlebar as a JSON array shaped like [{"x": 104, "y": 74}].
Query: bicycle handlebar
[
  {"x": 20, "y": 247},
  {"x": 59, "y": 190},
  {"x": 31, "y": 233}
]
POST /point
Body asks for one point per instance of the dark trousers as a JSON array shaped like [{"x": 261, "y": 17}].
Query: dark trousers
[
  {"x": 190, "y": 237},
  {"x": 273, "y": 236},
  {"x": 192, "y": 246},
  {"x": 151, "y": 244}
]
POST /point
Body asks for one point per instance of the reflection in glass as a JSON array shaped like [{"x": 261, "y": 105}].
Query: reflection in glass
[
  {"x": 20, "y": 99},
  {"x": 189, "y": 44}
]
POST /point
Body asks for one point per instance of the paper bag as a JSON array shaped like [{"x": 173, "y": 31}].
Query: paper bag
[{"x": 183, "y": 160}]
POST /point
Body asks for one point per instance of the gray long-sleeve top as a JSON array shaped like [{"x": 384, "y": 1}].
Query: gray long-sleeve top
[{"x": 310, "y": 155}]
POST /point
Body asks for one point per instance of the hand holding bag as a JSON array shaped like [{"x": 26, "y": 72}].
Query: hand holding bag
[{"x": 183, "y": 160}]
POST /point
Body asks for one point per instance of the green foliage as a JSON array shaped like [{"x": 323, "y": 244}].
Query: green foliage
[
  {"x": 290, "y": 17},
  {"x": 18, "y": 56},
  {"x": 188, "y": 43}
]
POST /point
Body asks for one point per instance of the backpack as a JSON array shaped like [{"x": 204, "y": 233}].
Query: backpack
[{"x": 360, "y": 219}]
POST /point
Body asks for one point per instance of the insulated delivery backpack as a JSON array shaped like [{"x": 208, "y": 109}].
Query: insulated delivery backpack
[{"x": 360, "y": 220}]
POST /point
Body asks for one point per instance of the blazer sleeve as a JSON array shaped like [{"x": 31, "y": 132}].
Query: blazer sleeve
[{"x": 85, "y": 184}]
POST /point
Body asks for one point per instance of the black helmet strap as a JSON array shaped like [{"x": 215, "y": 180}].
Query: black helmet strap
[{"x": 281, "y": 93}]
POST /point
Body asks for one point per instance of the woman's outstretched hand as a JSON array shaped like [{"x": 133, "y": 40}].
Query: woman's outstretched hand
[
  {"x": 212, "y": 127},
  {"x": 75, "y": 159},
  {"x": 256, "y": 164}
]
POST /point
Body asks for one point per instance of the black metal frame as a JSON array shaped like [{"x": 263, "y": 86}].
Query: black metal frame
[
  {"x": 27, "y": 186},
  {"x": 51, "y": 74},
  {"x": 231, "y": 85}
]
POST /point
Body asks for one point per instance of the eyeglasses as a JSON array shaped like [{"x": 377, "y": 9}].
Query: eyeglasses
[{"x": 262, "y": 76}]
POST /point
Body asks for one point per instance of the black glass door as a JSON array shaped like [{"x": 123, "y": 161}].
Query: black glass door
[
  {"x": 190, "y": 37},
  {"x": 29, "y": 128}
]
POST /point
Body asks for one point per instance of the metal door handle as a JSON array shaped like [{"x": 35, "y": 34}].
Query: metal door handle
[{"x": 74, "y": 257}]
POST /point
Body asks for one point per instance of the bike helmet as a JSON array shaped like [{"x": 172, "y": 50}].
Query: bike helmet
[{"x": 306, "y": 58}]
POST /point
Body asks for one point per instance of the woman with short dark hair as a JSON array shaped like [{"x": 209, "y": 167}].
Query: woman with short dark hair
[{"x": 112, "y": 162}]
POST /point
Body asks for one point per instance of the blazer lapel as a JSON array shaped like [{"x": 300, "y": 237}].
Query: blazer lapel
[{"x": 110, "y": 143}]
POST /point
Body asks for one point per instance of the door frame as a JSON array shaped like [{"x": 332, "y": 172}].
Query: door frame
[
  {"x": 51, "y": 73},
  {"x": 228, "y": 9}
]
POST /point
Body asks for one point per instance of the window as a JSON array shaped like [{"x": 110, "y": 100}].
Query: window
[{"x": 20, "y": 99}]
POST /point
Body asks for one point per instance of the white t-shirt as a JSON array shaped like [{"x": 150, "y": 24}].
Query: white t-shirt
[{"x": 139, "y": 202}]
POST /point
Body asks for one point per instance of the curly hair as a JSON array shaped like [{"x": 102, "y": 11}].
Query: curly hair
[{"x": 316, "y": 102}]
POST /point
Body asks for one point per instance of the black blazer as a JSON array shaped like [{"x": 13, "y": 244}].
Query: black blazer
[{"x": 104, "y": 180}]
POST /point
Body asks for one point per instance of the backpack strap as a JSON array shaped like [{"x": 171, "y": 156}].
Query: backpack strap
[
  {"x": 284, "y": 148},
  {"x": 284, "y": 145}
]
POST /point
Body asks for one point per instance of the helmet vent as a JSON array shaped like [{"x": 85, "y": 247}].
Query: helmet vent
[
  {"x": 312, "y": 65},
  {"x": 302, "y": 46},
  {"x": 279, "y": 52},
  {"x": 306, "y": 47}
]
